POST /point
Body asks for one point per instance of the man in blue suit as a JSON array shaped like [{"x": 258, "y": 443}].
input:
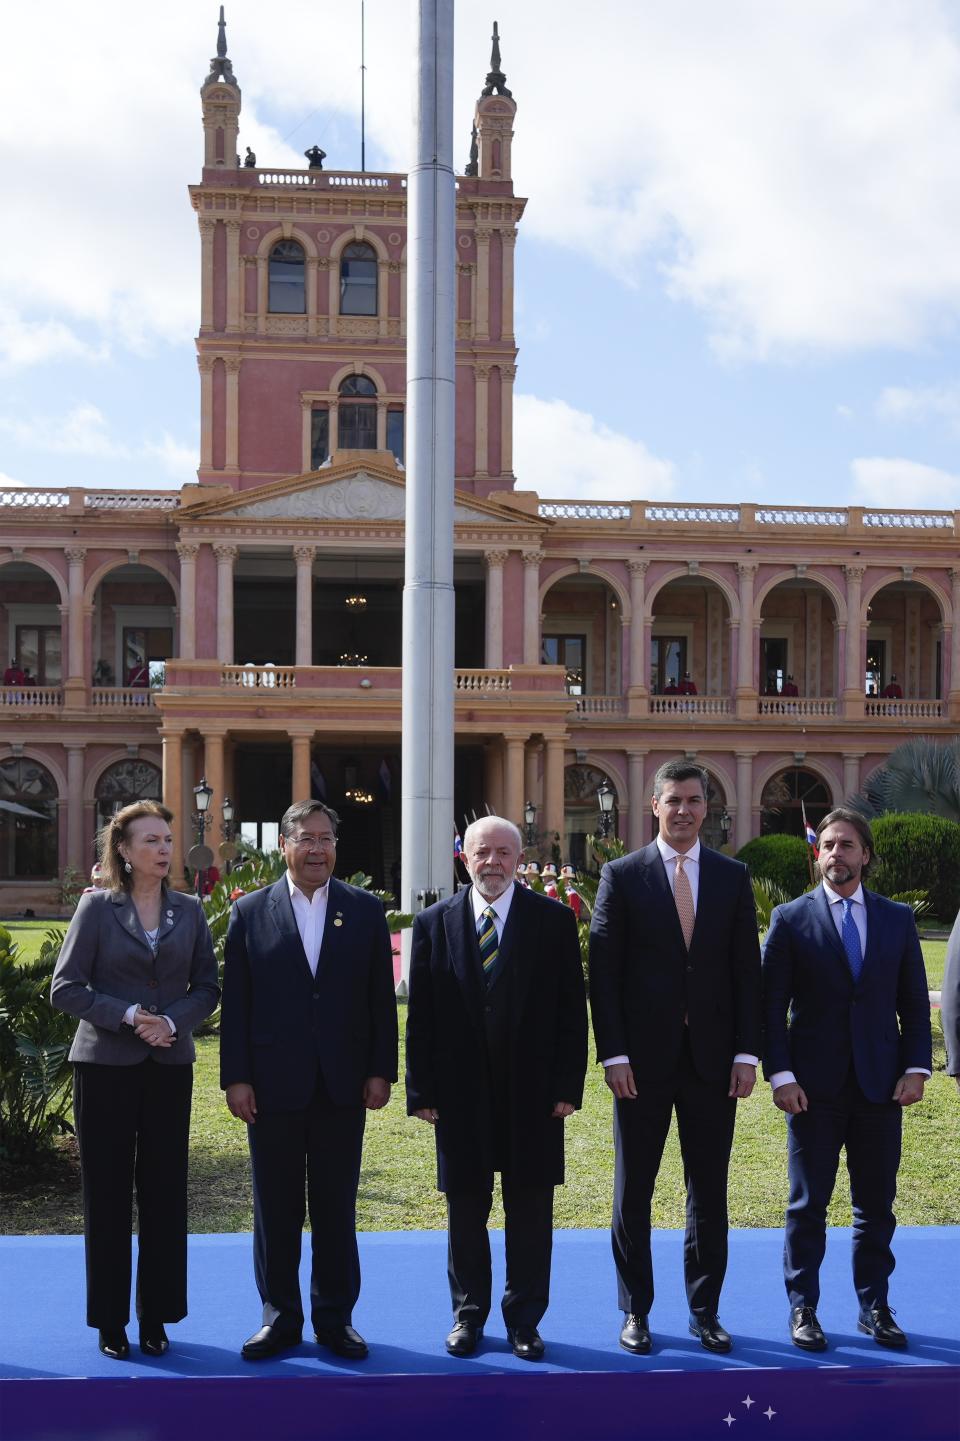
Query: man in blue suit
[
  {"x": 950, "y": 1003},
  {"x": 847, "y": 965},
  {"x": 308, "y": 1044}
]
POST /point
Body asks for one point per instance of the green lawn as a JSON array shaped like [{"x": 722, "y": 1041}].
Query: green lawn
[
  {"x": 29, "y": 935},
  {"x": 397, "y": 1186}
]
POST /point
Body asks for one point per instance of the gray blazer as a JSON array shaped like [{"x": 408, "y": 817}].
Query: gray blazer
[{"x": 106, "y": 963}]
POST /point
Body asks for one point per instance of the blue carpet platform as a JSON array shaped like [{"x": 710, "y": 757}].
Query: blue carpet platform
[{"x": 55, "y": 1386}]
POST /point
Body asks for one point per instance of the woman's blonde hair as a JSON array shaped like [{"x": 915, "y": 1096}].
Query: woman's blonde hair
[{"x": 114, "y": 875}]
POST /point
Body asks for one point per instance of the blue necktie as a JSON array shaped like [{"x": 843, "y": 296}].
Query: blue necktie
[{"x": 851, "y": 940}]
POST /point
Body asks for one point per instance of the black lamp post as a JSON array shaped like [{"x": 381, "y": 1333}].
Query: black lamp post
[
  {"x": 530, "y": 822},
  {"x": 228, "y": 829},
  {"x": 202, "y": 795},
  {"x": 605, "y": 799},
  {"x": 725, "y": 823}
]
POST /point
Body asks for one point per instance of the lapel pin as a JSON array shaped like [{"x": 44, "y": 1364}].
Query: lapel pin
[
  {"x": 169, "y": 915},
  {"x": 338, "y": 922}
]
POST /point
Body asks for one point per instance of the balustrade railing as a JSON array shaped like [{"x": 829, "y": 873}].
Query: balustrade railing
[
  {"x": 119, "y": 697},
  {"x": 806, "y": 707},
  {"x": 263, "y": 677},
  {"x": 691, "y": 705},
  {"x": 600, "y": 705},
  {"x": 31, "y": 697},
  {"x": 695, "y": 514},
  {"x": 484, "y": 681},
  {"x": 880, "y": 709}
]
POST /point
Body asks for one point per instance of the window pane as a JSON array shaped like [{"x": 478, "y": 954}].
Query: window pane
[
  {"x": 287, "y": 293},
  {"x": 357, "y": 427},
  {"x": 395, "y": 433},
  {"x": 358, "y": 280},
  {"x": 319, "y": 438},
  {"x": 357, "y": 385},
  {"x": 52, "y": 667}
]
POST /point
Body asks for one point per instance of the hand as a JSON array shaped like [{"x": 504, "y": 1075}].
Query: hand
[
  {"x": 428, "y": 1114},
  {"x": 743, "y": 1078},
  {"x": 376, "y": 1092},
  {"x": 620, "y": 1080},
  {"x": 241, "y": 1102},
  {"x": 909, "y": 1089},
  {"x": 155, "y": 1030},
  {"x": 563, "y": 1109},
  {"x": 790, "y": 1098}
]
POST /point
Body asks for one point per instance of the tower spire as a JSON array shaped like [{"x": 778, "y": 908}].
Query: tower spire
[
  {"x": 496, "y": 80},
  {"x": 220, "y": 67}
]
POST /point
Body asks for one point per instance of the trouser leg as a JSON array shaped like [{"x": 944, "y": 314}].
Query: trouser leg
[
  {"x": 640, "y": 1129},
  {"x": 105, "y": 1105},
  {"x": 705, "y": 1122},
  {"x": 873, "y": 1158},
  {"x": 278, "y": 1149},
  {"x": 334, "y": 1151},
  {"x": 468, "y": 1255},
  {"x": 528, "y": 1231},
  {"x": 814, "y": 1138},
  {"x": 163, "y": 1143}
]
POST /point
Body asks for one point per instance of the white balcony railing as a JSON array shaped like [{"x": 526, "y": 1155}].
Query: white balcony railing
[
  {"x": 484, "y": 681},
  {"x": 879, "y": 709},
  {"x": 691, "y": 705},
  {"x": 600, "y": 705},
  {"x": 31, "y": 697},
  {"x": 267, "y": 677},
  {"x": 805, "y": 707},
  {"x": 119, "y": 697}
]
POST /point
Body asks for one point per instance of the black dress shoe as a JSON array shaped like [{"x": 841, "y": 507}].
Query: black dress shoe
[
  {"x": 113, "y": 1343},
  {"x": 527, "y": 1342},
  {"x": 635, "y": 1336},
  {"x": 342, "y": 1341},
  {"x": 710, "y": 1333},
  {"x": 267, "y": 1342},
  {"x": 464, "y": 1338},
  {"x": 878, "y": 1322},
  {"x": 153, "y": 1338},
  {"x": 805, "y": 1329}
]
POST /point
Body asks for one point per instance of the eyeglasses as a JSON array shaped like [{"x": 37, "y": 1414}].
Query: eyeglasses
[{"x": 314, "y": 843}]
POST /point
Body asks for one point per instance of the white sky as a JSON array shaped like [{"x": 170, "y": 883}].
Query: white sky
[{"x": 738, "y": 274}]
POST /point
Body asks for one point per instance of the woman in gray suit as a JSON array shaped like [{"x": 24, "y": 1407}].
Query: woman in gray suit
[{"x": 137, "y": 967}]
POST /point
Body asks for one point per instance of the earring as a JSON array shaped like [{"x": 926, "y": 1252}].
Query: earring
[{"x": 127, "y": 867}]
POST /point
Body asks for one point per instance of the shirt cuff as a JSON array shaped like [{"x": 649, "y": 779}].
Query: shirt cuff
[
  {"x": 746, "y": 1060},
  {"x": 173, "y": 1029},
  {"x": 129, "y": 1014},
  {"x": 782, "y": 1078},
  {"x": 618, "y": 1061},
  {"x": 918, "y": 1071}
]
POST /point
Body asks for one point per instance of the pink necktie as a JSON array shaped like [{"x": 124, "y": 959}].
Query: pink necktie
[{"x": 683, "y": 896}]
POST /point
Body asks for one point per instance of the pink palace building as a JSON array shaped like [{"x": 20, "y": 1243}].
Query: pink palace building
[{"x": 247, "y": 629}]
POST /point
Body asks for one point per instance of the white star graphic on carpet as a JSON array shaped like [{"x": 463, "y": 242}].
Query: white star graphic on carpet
[
  {"x": 769, "y": 1413},
  {"x": 729, "y": 1420},
  {"x": 748, "y": 1402}
]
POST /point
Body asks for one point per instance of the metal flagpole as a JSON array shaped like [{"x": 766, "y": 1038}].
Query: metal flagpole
[{"x": 428, "y": 599}]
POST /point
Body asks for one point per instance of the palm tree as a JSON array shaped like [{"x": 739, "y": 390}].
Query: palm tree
[{"x": 920, "y": 775}]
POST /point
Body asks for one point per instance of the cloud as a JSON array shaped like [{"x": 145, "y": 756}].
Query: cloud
[
  {"x": 919, "y": 403},
  {"x": 565, "y": 454},
  {"x": 36, "y": 342},
  {"x": 891, "y": 482},
  {"x": 179, "y": 461},
  {"x": 82, "y": 431},
  {"x": 7, "y": 482}
]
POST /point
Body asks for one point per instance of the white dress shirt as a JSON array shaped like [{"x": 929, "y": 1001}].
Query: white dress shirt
[
  {"x": 691, "y": 867},
  {"x": 858, "y": 909},
  {"x": 310, "y": 917},
  {"x": 500, "y": 908}
]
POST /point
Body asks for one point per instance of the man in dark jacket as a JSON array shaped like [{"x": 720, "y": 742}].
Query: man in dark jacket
[
  {"x": 496, "y": 1058},
  {"x": 847, "y": 965},
  {"x": 675, "y": 996},
  {"x": 308, "y": 1044}
]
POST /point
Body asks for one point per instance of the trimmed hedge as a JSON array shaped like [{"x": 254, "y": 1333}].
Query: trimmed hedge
[
  {"x": 918, "y": 852},
  {"x": 780, "y": 859}
]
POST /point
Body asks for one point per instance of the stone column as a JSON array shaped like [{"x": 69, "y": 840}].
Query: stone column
[
  {"x": 636, "y": 800},
  {"x": 514, "y": 779},
  {"x": 813, "y": 659},
  {"x": 226, "y": 555},
  {"x": 311, "y": 294},
  {"x": 508, "y": 374},
  {"x": 531, "y": 778},
  {"x": 187, "y": 551},
  {"x": 553, "y": 789},
  {"x": 304, "y": 556},
  {"x": 383, "y": 300},
  {"x": 381, "y": 425},
  {"x": 744, "y": 824},
  {"x": 234, "y": 274},
  {"x": 75, "y": 846},
  {"x": 231, "y": 364},
  {"x": 747, "y": 689},
  {"x": 482, "y": 384},
  {"x": 508, "y": 241},
  {"x": 78, "y": 667},
  {"x": 532, "y": 560},
  {"x": 493, "y": 777},
  {"x": 639, "y": 638},
  {"x": 483, "y": 285},
  {"x": 851, "y": 773},
  {"x": 952, "y": 686},
  {"x": 263, "y": 291},
  {"x": 206, "y": 273},
  {"x": 205, "y": 366},
  {"x": 306, "y": 434},
  {"x": 213, "y": 774},
  {"x": 853, "y": 660},
  {"x": 494, "y": 561},
  {"x": 172, "y": 742},
  {"x": 300, "y": 781}
]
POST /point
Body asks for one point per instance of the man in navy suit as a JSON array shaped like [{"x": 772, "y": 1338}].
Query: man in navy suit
[
  {"x": 950, "y": 1003},
  {"x": 847, "y": 965},
  {"x": 675, "y": 996},
  {"x": 308, "y": 1044},
  {"x": 496, "y": 1058}
]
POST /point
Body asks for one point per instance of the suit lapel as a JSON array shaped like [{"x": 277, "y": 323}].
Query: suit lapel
[
  {"x": 281, "y": 908},
  {"x": 654, "y": 872},
  {"x": 829, "y": 935},
  {"x": 126, "y": 916},
  {"x": 171, "y": 913},
  {"x": 461, "y": 933},
  {"x": 519, "y": 943},
  {"x": 336, "y": 926}
]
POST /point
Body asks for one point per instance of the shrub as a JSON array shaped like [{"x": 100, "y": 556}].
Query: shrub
[
  {"x": 35, "y": 1074},
  {"x": 767, "y": 895},
  {"x": 918, "y": 852},
  {"x": 780, "y": 859}
]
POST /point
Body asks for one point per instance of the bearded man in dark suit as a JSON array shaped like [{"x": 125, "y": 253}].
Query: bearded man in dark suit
[
  {"x": 496, "y": 1058},
  {"x": 675, "y": 997},
  {"x": 308, "y": 1044},
  {"x": 847, "y": 965}
]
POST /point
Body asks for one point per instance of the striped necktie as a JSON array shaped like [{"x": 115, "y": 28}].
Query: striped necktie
[
  {"x": 683, "y": 896},
  {"x": 851, "y": 939},
  {"x": 487, "y": 937}
]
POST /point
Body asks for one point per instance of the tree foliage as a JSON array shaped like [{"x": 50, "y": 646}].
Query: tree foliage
[
  {"x": 918, "y": 852},
  {"x": 35, "y": 1039},
  {"x": 921, "y": 775},
  {"x": 780, "y": 859}
]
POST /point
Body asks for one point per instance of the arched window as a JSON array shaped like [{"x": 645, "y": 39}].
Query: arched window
[
  {"x": 125, "y": 782},
  {"x": 357, "y": 414},
  {"x": 358, "y": 279},
  {"x": 787, "y": 796},
  {"x": 28, "y": 821},
  {"x": 287, "y": 286}
]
